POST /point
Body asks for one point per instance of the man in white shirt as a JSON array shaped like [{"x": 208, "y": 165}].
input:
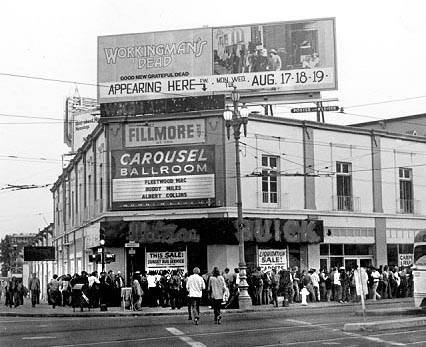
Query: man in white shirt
[
  {"x": 337, "y": 285},
  {"x": 195, "y": 286},
  {"x": 375, "y": 275},
  {"x": 315, "y": 283}
]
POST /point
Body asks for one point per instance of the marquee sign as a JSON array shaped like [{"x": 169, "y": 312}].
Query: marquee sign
[
  {"x": 165, "y": 133},
  {"x": 283, "y": 57},
  {"x": 163, "y": 177}
]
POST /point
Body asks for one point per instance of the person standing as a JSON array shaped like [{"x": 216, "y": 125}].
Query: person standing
[
  {"x": 54, "y": 291},
  {"x": 94, "y": 285},
  {"x": 285, "y": 286},
  {"x": 34, "y": 287},
  {"x": 257, "y": 281},
  {"x": 195, "y": 286},
  {"x": 376, "y": 278},
  {"x": 337, "y": 287},
  {"x": 315, "y": 283},
  {"x": 275, "y": 284},
  {"x": 275, "y": 60},
  {"x": 216, "y": 288},
  {"x": 295, "y": 274},
  {"x": 118, "y": 284}
]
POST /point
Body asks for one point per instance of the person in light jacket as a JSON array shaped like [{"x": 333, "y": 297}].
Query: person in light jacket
[
  {"x": 216, "y": 288},
  {"x": 195, "y": 286}
]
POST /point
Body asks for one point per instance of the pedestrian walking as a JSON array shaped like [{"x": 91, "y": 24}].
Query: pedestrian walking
[
  {"x": 216, "y": 289},
  {"x": 34, "y": 288},
  {"x": 174, "y": 285},
  {"x": 195, "y": 286},
  {"x": 137, "y": 293}
]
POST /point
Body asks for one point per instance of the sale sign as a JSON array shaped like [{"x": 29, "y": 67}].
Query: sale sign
[{"x": 269, "y": 259}]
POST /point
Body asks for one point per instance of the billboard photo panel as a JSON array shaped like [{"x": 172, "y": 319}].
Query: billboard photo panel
[{"x": 284, "y": 57}]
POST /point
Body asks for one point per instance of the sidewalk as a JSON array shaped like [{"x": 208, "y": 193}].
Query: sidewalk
[{"x": 44, "y": 310}]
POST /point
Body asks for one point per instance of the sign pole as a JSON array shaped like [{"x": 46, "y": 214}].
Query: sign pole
[{"x": 362, "y": 293}]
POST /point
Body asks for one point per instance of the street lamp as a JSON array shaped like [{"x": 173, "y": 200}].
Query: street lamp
[
  {"x": 102, "y": 242},
  {"x": 236, "y": 118}
]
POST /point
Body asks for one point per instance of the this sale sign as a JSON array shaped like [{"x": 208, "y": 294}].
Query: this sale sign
[{"x": 160, "y": 261}]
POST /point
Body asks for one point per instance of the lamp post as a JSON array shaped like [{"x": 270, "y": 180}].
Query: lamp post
[
  {"x": 102, "y": 242},
  {"x": 236, "y": 118}
]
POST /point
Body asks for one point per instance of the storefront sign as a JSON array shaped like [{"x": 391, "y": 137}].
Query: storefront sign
[
  {"x": 159, "y": 261},
  {"x": 162, "y": 232},
  {"x": 163, "y": 177},
  {"x": 281, "y": 57},
  {"x": 405, "y": 260},
  {"x": 165, "y": 133},
  {"x": 283, "y": 230},
  {"x": 269, "y": 259}
]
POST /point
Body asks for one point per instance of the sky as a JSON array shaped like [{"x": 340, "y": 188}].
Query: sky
[{"x": 380, "y": 58}]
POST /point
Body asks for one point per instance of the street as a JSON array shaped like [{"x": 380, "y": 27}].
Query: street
[{"x": 265, "y": 328}]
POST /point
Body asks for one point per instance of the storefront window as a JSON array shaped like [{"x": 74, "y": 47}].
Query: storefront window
[
  {"x": 336, "y": 249},
  {"x": 348, "y": 255},
  {"x": 324, "y": 264},
  {"x": 406, "y": 248},
  {"x": 354, "y": 249},
  {"x": 336, "y": 262},
  {"x": 392, "y": 255},
  {"x": 324, "y": 249}
]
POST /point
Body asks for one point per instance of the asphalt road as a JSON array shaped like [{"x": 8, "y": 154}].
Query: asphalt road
[{"x": 271, "y": 328}]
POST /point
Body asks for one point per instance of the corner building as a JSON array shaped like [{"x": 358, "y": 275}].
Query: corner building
[{"x": 328, "y": 195}]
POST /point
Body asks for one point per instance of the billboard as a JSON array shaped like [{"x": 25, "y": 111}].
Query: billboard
[
  {"x": 284, "y": 57},
  {"x": 163, "y": 176},
  {"x": 39, "y": 253},
  {"x": 80, "y": 120}
]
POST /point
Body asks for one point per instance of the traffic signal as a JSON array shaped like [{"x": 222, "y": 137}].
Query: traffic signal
[
  {"x": 95, "y": 258},
  {"x": 109, "y": 258},
  {"x": 101, "y": 234}
]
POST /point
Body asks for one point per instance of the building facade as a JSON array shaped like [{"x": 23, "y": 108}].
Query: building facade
[
  {"x": 12, "y": 253},
  {"x": 161, "y": 192}
]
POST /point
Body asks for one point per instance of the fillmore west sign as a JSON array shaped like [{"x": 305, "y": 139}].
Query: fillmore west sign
[{"x": 278, "y": 230}]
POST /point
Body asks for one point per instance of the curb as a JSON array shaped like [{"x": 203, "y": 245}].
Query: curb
[
  {"x": 294, "y": 310},
  {"x": 386, "y": 325},
  {"x": 392, "y": 312}
]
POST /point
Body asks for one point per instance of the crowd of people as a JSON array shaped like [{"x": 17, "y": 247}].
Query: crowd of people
[
  {"x": 176, "y": 289},
  {"x": 338, "y": 284}
]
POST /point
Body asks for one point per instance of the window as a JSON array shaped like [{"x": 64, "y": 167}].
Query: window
[
  {"x": 269, "y": 179},
  {"x": 344, "y": 186},
  {"x": 406, "y": 190}
]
